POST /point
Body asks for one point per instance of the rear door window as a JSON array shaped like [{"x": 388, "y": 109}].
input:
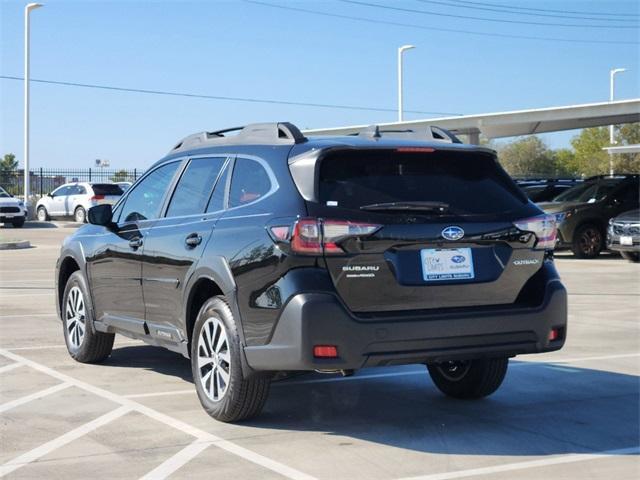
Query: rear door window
[
  {"x": 194, "y": 187},
  {"x": 470, "y": 183}
]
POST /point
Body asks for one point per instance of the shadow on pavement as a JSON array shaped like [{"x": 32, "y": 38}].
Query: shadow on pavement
[{"x": 541, "y": 409}]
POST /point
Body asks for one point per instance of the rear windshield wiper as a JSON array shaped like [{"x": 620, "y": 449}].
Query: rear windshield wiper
[{"x": 419, "y": 206}]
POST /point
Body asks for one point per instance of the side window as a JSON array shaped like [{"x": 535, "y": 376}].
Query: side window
[
  {"x": 628, "y": 194},
  {"x": 145, "y": 200},
  {"x": 81, "y": 190},
  {"x": 194, "y": 187},
  {"x": 250, "y": 181},
  {"x": 217, "y": 198},
  {"x": 74, "y": 190},
  {"x": 61, "y": 191}
]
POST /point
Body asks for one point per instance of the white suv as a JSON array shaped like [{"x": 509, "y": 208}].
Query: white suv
[
  {"x": 12, "y": 210},
  {"x": 75, "y": 199}
]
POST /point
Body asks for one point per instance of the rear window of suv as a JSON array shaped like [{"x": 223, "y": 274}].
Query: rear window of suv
[
  {"x": 470, "y": 183},
  {"x": 106, "y": 189}
]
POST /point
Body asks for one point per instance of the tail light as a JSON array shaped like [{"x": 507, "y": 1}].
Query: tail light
[
  {"x": 97, "y": 197},
  {"x": 543, "y": 227},
  {"x": 312, "y": 236}
]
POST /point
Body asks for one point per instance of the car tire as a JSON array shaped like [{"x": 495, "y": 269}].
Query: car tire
[
  {"x": 631, "y": 256},
  {"x": 588, "y": 241},
  {"x": 42, "y": 214},
  {"x": 18, "y": 223},
  {"x": 470, "y": 379},
  {"x": 84, "y": 343},
  {"x": 224, "y": 392},
  {"x": 80, "y": 215}
]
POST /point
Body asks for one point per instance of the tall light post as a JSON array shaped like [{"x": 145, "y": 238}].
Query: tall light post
[
  {"x": 612, "y": 141},
  {"x": 27, "y": 12},
  {"x": 401, "y": 50}
]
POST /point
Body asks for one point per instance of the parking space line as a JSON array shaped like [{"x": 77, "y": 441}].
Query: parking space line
[
  {"x": 8, "y": 368},
  {"x": 27, "y": 315},
  {"x": 219, "y": 442},
  {"x": 162, "y": 394},
  {"x": 509, "y": 467},
  {"x": 181, "y": 458},
  {"x": 34, "y": 396},
  {"x": 42, "y": 450}
]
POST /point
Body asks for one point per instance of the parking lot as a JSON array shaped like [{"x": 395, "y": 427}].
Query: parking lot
[{"x": 569, "y": 414}]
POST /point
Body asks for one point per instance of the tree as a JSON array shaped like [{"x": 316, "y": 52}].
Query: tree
[
  {"x": 591, "y": 159},
  {"x": 120, "y": 176},
  {"x": 8, "y": 163},
  {"x": 529, "y": 157}
]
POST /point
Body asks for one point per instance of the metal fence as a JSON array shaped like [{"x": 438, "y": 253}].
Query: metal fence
[{"x": 45, "y": 180}]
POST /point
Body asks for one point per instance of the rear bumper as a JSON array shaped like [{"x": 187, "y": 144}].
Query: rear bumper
[{"x": 321, "y": 319}]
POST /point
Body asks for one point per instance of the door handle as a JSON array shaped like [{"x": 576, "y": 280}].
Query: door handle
[
  {"x": 135, "y": 242},
  {"x": 193, "y": 240}
]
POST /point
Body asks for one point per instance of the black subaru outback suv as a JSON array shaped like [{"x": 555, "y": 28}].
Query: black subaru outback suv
[{"x": 265, "y": 251}]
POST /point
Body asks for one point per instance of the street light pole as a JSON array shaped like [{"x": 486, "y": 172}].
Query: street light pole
[
  {"x": 401, "y": 50},
  {"x": 612, "y": 75},
  {"x": 27, "y": 12}
]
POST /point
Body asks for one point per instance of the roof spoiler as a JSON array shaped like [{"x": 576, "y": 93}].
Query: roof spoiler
[{"x": 430, "y": 133}]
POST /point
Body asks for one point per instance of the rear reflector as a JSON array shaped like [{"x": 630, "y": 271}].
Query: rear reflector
[
  {"x": 325, "y": 351},
  {"x": 554, "y": 334},
  {"x": 544, "y": 227}
]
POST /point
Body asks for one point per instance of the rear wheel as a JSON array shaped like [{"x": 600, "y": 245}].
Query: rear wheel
[
  {"x": 588, "y": 241},
  {"x": 42, "y": 214},
  {"x": 84, "y": 343},
  {"x": 469, "y": 379},
  {"x": 217, "y": 371},
  {"x": 631, "y": 256},
  {"x": 18, "y": 222},
  {"x": 80, "y": 215}
]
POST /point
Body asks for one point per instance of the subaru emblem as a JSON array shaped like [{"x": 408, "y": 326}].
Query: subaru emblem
[{"x": 453, "y": 233}]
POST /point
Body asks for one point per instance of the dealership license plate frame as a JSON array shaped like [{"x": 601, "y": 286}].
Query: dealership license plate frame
[{"x": 438, "y": 264}]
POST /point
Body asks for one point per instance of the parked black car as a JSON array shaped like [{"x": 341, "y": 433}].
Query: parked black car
[
  {"x": 583, "y": 212},
  {"x": 624, "y": 235},
  {"x": 545, "y": 190},
  {"x": 266, "y": 251}
]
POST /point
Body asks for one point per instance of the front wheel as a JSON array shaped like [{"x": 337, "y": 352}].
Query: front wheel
[
  {"x": 42, "y": 214},
  {"x": 84, "y": 343},
  {"x": 588, "y": 241},
  {"x": 631, "y": 256},
  {"x": 217, "y": 370},
  {"x": 469, "y": 379}
]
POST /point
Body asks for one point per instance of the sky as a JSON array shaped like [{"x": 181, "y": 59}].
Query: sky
[{"x": 259, "y": 51}]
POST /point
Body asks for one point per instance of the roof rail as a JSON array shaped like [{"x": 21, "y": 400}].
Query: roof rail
[
  {"x": 430, "y": 133},
  {"x": 281, "y": 133}
]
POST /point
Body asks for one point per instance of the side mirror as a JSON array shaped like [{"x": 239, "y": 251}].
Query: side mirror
[
  {"x": 101, "y": 215},
  {"x": 50, "y": 195}
]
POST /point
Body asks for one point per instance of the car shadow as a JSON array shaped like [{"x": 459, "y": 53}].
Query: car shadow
[{"x": 541, "y": 409}]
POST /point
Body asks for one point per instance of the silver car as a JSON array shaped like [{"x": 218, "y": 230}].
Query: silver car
[
  {"x": 75, "y": 200},
  {"x": 12, "y": 210}
]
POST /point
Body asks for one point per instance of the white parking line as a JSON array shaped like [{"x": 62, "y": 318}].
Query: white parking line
[
  {"x": 162, "y": 394},
  {"x": 172, "y": 464},
  {"x": 27, "y": 315},
  {"x": 509, "y": 467},
  {"x": 62, "y": 440},
  {"x": 8, "y": 368},
  {"x": 219, "y": 442},
  {"x": 34, "y": 396}
]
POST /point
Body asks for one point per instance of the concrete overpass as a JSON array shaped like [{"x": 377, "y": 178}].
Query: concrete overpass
[{"x": 517, "y": 122}]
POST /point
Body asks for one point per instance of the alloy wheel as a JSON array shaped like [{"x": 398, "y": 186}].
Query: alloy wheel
[
  {"x": 454, "y": 371},
  {"x": 80, "y": 215},
  {"x": 214, "y": 359},
  {"x": 42, "y": 214},
  {"x": 590, "y": 241},
  {"x": 75, "y": 317}
]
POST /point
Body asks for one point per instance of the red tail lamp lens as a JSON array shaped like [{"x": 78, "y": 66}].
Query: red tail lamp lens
[
  {"x": 554, "y": 334},
  {"x": 325, "y": 351}
]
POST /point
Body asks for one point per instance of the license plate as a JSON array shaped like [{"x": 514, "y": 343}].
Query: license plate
[
  {"x": 447, "y": 264},
  {"x": 626, "y": 240}
]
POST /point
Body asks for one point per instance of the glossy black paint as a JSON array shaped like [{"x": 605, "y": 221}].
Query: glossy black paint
[{"x": 144, "y": 274}]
